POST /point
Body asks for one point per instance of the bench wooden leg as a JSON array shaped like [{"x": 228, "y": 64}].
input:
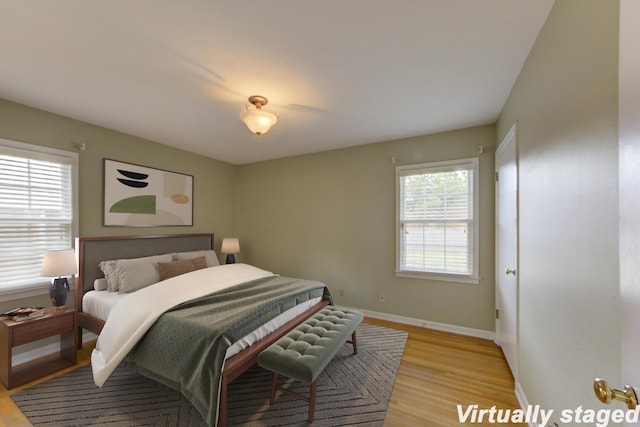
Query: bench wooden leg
[
  {"x": 274, "y": 386},
  {"x": 312, "y": 399},
  {"x": 354, "y": 342}
]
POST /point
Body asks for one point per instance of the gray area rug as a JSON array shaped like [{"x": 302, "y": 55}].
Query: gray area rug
[{"x": 352, "y": 390}]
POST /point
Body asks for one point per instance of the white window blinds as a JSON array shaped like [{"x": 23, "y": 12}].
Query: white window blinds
[
  {"x": 437, "y": 213},
  {"x": 36, "y": 210}
]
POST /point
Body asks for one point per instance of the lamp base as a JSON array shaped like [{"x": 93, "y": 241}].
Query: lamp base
[
  {"x": 231, "y": 259},
  {"x": 58, "y": 291}
]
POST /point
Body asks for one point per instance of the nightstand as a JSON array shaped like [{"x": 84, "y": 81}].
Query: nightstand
[{"x": 63, "y": 322}]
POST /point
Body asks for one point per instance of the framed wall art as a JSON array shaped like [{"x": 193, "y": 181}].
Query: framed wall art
[{"x": 140, "y": 196}]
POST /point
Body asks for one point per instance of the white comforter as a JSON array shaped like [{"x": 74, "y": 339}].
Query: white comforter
[{"x": 131, "y": 319}]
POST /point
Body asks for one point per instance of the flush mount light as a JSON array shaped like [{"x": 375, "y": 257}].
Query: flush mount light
[{"x": 258, "y": 120}]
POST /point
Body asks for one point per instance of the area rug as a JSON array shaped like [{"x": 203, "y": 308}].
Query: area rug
[{"x": 352, "y": 390}]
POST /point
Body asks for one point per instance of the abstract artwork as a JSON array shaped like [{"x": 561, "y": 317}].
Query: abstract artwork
[{"x": 138, "y": 196}]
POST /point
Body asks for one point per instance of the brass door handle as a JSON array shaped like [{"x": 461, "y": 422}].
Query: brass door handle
[
  {"x": 606, "y": 394},
  {"x": 510, "y": 271}
]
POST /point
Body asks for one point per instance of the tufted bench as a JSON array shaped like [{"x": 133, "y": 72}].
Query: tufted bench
[{"x": 304, "y": 352}]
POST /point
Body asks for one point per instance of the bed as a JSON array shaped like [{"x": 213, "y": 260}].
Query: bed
[{"x": 242, "y": 350}]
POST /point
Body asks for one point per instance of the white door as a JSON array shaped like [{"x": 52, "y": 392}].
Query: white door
[
  {"x": 629, "y": 194},
  {"x": 507, "y": 248},
  {"x": 629, "y": 188}
]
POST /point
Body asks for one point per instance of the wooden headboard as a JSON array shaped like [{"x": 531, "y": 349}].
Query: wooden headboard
[{"x": 90, "y": 251}]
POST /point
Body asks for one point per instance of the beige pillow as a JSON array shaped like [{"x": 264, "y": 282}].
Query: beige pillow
[
  {"x": 133, "y": 276},
  {"x": 176, "y": 268}
]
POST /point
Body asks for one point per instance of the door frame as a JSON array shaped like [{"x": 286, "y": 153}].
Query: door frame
[{"x": 511, "y": 134}]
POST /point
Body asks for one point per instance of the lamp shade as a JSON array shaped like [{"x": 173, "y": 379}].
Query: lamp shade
[
  {"x": 257, "y": 120},
  {"x": 230, "y": 245},
  {"x": 58, "y": 262}
]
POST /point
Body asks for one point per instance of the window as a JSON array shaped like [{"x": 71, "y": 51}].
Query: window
[
  {"x": 437, "y": 212},
  {"x": 37, "y": 212}
]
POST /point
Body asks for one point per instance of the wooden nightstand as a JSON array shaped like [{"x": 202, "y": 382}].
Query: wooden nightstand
[{"x": 63, "y": 322}]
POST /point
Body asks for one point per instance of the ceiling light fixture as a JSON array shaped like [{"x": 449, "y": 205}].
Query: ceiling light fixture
[{"x": 258, "y": 120}]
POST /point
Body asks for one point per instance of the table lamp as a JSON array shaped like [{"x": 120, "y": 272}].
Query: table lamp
[
  {"x": 59, "y": 263},
  {"x": 230, "y": 246}
]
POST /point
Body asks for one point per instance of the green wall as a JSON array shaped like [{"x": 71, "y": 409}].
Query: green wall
[
  {"x": 331, "y": 216},
  {"x": 565, "y": 103},
  {"x": 327, "y": 216},
  {"x": 214, "y": 189}
]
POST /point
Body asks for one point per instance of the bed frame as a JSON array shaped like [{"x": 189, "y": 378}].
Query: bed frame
[{"x": 90, "y": 251}]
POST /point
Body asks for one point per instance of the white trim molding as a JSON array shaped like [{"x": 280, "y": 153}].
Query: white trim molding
[{"x": 461, "y": 330}]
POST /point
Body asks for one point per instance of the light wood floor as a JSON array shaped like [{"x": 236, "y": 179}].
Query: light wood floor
[{"x": 439, "y": 370}]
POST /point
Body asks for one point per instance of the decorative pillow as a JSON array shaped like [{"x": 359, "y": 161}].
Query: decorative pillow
[
  {"x": 110, "y": 268},
  {"x": 176, "y": 268},
  {"x": 100, "y": 284},
  {"x": 133, "y": 276},
  {"x": 210, "y": 256}
]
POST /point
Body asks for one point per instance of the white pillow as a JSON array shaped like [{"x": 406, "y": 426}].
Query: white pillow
[
  {"x": 209, "y": 255},
  {"x": 110, "y": 268},
  {"x": 133, "y": 276},
  {"x": 100, "y": 284}
]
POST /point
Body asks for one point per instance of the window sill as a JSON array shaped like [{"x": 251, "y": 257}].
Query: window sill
[
  {"x": 23, "y": 291},
  {"x": 438, "y": 277}
]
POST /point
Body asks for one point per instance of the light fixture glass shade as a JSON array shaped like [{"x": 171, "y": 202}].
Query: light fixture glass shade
[
  {"x": 58, "y": 262},
  {"x": 258, "y": 120},
  {"x": 230, "y": 245}
]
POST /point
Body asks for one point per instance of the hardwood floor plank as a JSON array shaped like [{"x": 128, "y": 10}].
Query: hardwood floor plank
[{"x": 438, "y": 371}]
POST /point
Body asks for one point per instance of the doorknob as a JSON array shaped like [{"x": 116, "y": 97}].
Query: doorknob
[
  {"x": 606, "y": 394},
  {"x": 510, "y": 271}
]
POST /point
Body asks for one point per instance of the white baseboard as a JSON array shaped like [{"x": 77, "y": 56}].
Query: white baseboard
[
  {"x": 523, "y": 401},
  {"x": 461, "y": 330},
  {"x": 46, "y": 350}
]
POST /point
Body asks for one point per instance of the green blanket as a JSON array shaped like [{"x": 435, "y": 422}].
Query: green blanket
[{"x": 185, "y": 348}]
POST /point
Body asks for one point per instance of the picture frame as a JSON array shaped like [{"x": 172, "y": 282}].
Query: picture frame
[{"x": 142, "y": 196}]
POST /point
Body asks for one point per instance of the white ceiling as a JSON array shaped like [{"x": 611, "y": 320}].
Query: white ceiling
[{"x": 338, "y": 73}]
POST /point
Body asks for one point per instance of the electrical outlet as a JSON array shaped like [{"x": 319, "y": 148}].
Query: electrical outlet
[
  {"x": 341, "y": 292},
  {"x": 381, "y": 297}
]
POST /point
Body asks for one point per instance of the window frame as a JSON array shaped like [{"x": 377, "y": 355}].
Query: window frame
[
  {"x": 471, "y": 164},
  {"x": 41, "y": 287}
]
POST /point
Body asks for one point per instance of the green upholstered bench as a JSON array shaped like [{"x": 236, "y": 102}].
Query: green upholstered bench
[{"x": 304, "y": 352}]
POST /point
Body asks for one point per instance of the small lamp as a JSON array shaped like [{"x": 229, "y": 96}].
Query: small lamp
[
  {"x": 58, "y": 263},
  {"x": 230, "y": 246}
]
